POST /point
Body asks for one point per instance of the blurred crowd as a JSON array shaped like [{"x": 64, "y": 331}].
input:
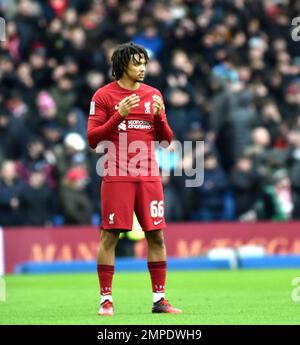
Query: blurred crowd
[{"x": 229, "y": 72}]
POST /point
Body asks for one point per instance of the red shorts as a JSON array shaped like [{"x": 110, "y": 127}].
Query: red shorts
[{"x": 120, "y": 199}]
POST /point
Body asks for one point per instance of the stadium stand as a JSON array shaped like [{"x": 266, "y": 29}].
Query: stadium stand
[{"x": 228, "y": 70}]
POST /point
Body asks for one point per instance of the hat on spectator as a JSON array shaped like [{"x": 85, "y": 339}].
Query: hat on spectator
[
  {"x": 76, "y": 174},
  {"x": 39, "y": 50},
  {"x": 75, "y": 141},
  {"x": 255, "y": 42},
  {"x": 292, "y": 89},
  {"x": 45, "y": 101}
]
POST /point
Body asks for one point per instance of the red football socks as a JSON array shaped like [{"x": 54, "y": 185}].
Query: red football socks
[
  {"x": 105, "y": 275},
  {"x": 158, "y": 271}
]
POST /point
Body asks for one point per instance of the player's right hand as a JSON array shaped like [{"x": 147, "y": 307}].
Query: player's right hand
[{"x": 128, "y": 103}]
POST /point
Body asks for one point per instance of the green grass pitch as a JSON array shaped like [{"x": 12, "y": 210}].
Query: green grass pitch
[{"x": 206, "y": 297}]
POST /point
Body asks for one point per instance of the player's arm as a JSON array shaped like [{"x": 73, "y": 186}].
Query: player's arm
[
  {"x": 99, "y": 126},
  {"x": 162, "y": 129}
]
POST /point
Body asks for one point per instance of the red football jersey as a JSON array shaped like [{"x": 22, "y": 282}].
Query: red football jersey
[{"x": 131, "y": 157}]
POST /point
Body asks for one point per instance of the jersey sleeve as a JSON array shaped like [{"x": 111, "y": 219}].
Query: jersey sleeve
[
  {"x": 100, "y": 125},
  {"x": 163, "y": 132}
]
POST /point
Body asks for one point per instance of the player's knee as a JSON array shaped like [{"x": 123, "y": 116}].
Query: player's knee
[
  {"x": 156, "y": 240},
  {"x": 109, "y": 240}
]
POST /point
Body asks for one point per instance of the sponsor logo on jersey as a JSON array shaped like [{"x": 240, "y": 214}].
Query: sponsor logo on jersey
[
  {"x": 122, "y": 126},
  {"x": 138, "y": 124},
  {"x": 134, "y": 124}
]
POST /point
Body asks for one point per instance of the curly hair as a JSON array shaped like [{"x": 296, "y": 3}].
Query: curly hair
[{"x": 122, "y": 55}]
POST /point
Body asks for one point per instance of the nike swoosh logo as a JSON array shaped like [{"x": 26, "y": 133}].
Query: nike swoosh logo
[
  {"x": 156, "y": 222},
  {"x": 117, "y": 107}
]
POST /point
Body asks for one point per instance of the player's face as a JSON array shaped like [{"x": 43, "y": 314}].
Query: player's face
[{"x": 136, "y": 68}]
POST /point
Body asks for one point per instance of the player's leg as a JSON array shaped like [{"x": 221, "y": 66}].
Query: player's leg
[
  {"x": 116, "y": 216},
  {"x": 107, "y": 246},
  {"x": 106, "y": 268},
  {"x": 156, "y": 246},
  {"x": 157, "y": 265},
  {"x": 149, "y": 209},
  {"x": 157, "y": 262}
]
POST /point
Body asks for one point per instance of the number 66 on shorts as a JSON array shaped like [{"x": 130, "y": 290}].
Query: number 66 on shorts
[{"x": 120, "y": 199}]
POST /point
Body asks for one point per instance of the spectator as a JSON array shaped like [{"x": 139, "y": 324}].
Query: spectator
[
  {"x": 7, "y": 140},
  {"x": 180, "y": 101},
  {"x": 77, "y": 208},
  {"x": 246, "y": 186},
  {"x": 173, "y": 204},
  {"x": 72, "y": 152},
  {"x": 211, "y": 196},
  {"x": 35, "y": 159},
  {"x": 10, "y": 192},
  {"x": 294, "y": 159},
  {"x": 37, "y": 196},
  {"x": 40, "y": 71},
  {"x": 76, "y": 123},
  {"x": 150, "y": 39},
  {"x": 243, "y": 118},
  {"x": 64, "y": 97},
  {"x": 275, "y": 202},
  {"x": 229, "y": 68},
  {"x": 259, "y": 150},
  {"x": 271, "y": 119}
]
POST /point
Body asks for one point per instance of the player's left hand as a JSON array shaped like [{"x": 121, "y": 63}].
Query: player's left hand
[{"x": 157, "y": 105}]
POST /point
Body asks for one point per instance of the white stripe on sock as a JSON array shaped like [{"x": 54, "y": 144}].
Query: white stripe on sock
[
  {"x": 105, "y": 297},
  {"x": 157, "y": 296}
]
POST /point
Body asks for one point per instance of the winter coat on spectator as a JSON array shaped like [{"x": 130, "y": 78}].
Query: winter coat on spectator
[
  {"x": 245, "y": 186},
  {"x": 9, "y": 214},
  {"x": 211, "y": 196},
  {"x": 36, "y": 205},
  {"x": 173, "y": 204},
  {"x": 212, "y": 192},
  {"x": 295, "y": 180},
  {"x": 221, "y": 108},
  {"x": 173, "y": 207},
  {"x": 64, "y": 101},
  {"x": 76, "y": 205},
  {"x": 7, "y": 140},
  {"x": 268, "y": 206},
  {"x": 243, "y": 118}
]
